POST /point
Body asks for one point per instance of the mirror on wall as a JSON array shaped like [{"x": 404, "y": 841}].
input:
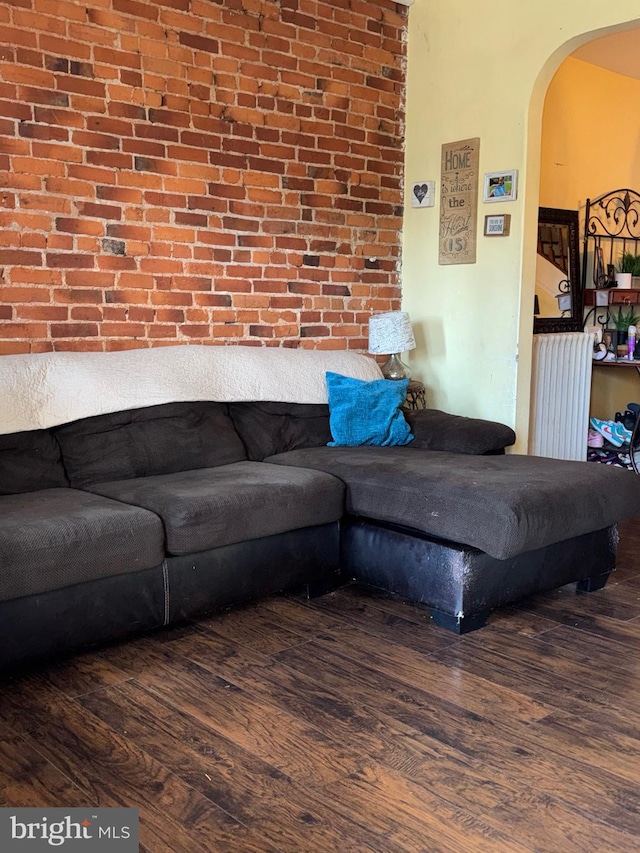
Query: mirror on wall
[{"x": 558, "y": 293}]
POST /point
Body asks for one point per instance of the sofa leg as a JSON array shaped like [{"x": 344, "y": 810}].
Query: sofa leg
[
  {"x": 459, "y": 624},
  {"x": 594, "y": 583}
]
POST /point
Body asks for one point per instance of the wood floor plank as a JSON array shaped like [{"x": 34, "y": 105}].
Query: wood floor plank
[
  {"x": 280, "y": 688},
  {"x": 480, "y": 739},
  {"x": 458, "y": 777},
  {"x": 519, "y": 620},
  {"x": 254, "y": 627},
  {"x": 446, "y": 727},
  {"x": 506, "y": 751},
  {"x": 300, "y": 616},
  {"x": 115, "y": 771},
  {"x": 558, "y": 828},
  {"x": 595, "y": 624},
  {"x": 603, "y": 747},
  {"x": 473, "y": 693},
  {"x": 28, "y": 780},
  {"x": 593, "y": 670},
  {"x": 613, "y": 601},
  {"x": 82, "y": 674},
  {"x": 612, "y": 646},
  {"x": 278, "y": 737},
  {"x": 438, "y": 766},
  {"x": 398, "y": 807},
  {"x": 277, "y": 721},
  {"x": 255, "y": 793},
  {"x": 23, "y": 699},
  {"x": 628, "y": 586},
  {"x": 426, "y": 673},
  {"x": 536, "y": 682}
]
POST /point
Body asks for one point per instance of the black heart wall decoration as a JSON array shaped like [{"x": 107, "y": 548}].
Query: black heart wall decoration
[{"x": 421, "y": 191}]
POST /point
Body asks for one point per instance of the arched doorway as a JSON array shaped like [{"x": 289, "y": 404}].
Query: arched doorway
[{"x": 589, "y": 146}]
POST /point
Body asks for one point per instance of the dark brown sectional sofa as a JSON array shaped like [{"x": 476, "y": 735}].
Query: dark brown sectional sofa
[{"x": 125, "y": 522}]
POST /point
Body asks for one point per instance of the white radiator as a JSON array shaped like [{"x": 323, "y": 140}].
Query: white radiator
[{"x": 560, "y": 393}]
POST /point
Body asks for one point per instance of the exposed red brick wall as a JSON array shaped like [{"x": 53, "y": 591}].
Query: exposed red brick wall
[{"x": 194, "y": 170}]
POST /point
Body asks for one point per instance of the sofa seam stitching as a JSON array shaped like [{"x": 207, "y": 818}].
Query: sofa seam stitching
[{"x": 165, "y": 585}]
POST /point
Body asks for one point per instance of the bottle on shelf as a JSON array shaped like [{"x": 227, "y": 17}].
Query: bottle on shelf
[{"x": 631, "y": 342}]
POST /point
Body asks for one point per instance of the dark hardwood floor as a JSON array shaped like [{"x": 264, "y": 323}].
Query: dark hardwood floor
[{"x": 351, "y": 724}]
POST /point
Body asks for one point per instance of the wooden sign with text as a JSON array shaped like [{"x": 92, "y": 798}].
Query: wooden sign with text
[{"x": 459, "y": 202}]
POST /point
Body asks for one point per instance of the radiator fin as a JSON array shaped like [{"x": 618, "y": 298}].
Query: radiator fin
[{"x": 560, "y": 395}]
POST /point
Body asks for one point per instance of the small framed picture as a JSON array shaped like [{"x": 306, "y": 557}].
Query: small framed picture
[
  {"x": 498, "y": 225},
  {"x": 500, "y": 186},
  {"x": 610, "y": 339}
]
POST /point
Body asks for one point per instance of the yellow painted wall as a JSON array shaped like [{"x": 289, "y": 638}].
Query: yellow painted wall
[
  {"x": 590, "y": 131},
  {"x": 587, "y": 150},
  {"x": 481, "y": 68}
]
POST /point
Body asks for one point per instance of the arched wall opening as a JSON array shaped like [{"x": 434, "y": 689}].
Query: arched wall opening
[
  {"x": 590, "y": 146},
  {"x": 577, "y": 157}
]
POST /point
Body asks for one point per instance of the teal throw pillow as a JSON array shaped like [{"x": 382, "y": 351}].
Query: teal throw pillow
[{"x": 363, "y": 412}]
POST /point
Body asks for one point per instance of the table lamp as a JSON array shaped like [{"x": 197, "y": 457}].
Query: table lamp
[{"x": 391, "y": 334}]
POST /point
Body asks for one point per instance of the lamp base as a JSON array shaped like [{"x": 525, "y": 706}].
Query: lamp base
[{"x": 395, "y": 368}]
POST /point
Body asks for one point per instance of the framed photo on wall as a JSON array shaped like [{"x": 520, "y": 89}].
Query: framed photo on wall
[
  {"x": 500, "y": 186},
  {"x": 498, "y": 225}
]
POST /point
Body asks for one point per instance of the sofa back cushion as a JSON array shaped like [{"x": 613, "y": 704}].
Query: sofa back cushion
[
  {"x": 270, "y": 428},
  {"x": 30, "y": 461},
  {"x": 153, "y": 440}
]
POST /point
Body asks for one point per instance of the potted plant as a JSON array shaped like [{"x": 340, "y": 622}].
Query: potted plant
[
  {"x": 628, "y": 267},
  {"x": 622, "y": 320}
]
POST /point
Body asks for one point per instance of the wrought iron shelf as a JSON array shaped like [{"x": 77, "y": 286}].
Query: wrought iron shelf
[{"x": 612, "y": 226}]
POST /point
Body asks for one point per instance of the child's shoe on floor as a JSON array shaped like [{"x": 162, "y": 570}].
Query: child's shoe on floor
[
  {"x": 594, "y": 439},
  {"x": 622, "y": 432},
  {"x": 607, "y": 430}
]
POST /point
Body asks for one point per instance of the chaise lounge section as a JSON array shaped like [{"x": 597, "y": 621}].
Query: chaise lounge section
[{"x": 466, "y": 533}]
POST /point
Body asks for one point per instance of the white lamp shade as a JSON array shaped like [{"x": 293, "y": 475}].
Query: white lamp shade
[{"x": 390, "y": 333}]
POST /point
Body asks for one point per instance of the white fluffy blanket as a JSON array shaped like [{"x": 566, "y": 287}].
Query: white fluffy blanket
[{"x": 38, "y": 391}]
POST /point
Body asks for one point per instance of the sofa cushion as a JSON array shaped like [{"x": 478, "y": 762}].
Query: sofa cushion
[
  {"x": 269, "y": 428},
  {"x": 57, "y": 537},
  {"x": 503, "y": 505},
  {"x": 436, "y": 430},
  {"x": 367, "y": 413},
  {"x": 211, "y": 507},
  {"x": 148, "y": 441},
  {"x": 30, "y": 461}
]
